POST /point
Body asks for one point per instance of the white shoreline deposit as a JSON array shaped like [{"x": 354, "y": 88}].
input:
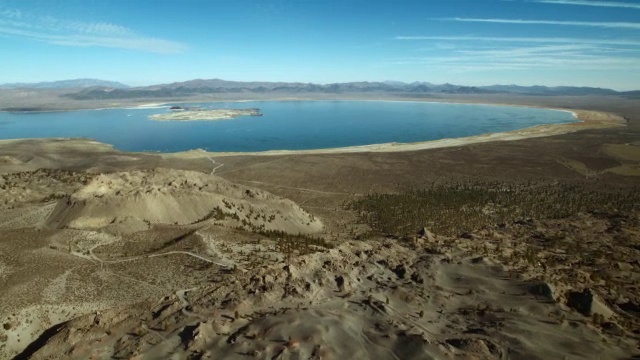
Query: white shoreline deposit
[{"x": 215, "y": 114}]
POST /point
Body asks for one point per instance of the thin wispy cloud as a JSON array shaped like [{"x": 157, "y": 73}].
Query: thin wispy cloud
[
  {"x": 523, "y": 53},
  {"x": 475, "y": 61},
  {"x": 48, "y": 29},
  {"x": 548, "y": 40},
  {"x": 556, "y": 50},
  {"x": 592, "y": 3},
  {"x": 619, "y": 25}
]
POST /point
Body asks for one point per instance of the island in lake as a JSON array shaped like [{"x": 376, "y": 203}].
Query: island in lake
[{"x": 182, "y": 114}]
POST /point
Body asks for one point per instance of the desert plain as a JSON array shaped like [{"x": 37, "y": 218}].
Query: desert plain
[{"x": 516, "y": 246}]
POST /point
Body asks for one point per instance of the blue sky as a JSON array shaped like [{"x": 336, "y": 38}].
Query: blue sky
[{"x": 475, "y": 42}]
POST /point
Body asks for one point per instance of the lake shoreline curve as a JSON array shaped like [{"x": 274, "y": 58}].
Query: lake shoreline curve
[{"x": 586, "y": 119}]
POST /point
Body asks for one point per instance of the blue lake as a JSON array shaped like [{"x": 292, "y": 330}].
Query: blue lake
[{"x": 286, "y": 125}]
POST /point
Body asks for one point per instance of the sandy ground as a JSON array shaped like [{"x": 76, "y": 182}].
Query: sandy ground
[{"x": 89, "y": 268}]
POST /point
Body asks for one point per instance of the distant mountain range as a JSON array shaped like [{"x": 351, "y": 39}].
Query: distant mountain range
[
  {"x": 92, "y": 89},
  {"x": 66, "y": 84}
]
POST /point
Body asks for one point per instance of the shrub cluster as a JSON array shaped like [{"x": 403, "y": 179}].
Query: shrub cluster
[
  {"x": 301, "y": 244},
  {"x": 453, "y": 209}
]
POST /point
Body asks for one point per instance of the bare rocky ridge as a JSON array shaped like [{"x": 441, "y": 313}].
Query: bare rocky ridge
[
  {"x": 429, "y": 298},
  {"x": 204, "y": 289},
  {"x": 85, "y": 230},
  {"x": 164, "y": 196},
  {"x": 209, "y": 290}
]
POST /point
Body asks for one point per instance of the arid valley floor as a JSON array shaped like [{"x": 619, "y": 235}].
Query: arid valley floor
[{"x": 106, "y": 254}]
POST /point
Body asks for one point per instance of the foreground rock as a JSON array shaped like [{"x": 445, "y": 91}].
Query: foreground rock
[
  {"x": 209, "y": 289},
  {"x": 348, "y": 302}
]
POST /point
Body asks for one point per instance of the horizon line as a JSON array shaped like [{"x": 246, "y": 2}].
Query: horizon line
[{"x": 305, "y": 82}]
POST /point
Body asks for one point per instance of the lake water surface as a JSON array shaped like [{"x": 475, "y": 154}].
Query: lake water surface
[{"x": 286, "y": 125}]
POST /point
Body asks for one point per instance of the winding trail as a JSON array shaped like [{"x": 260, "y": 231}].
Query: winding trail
[
  {"x": 254, "y": 165},
  {"x": 93, "y": 257},
  {"x": 297, "y": 188},
  {"x": 190, "y": 254},
  {"x": 180, "y": 294},
  {"x": 219, "y": 165},
  {"x": 197, "y": 256}
]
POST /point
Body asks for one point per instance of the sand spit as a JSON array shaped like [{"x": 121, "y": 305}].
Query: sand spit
[
  {"x": 151, "y": 105},
  {"x": 588, "y": 120},
  {"x": 138, "y": 199},
  {"x": 380, "y": 299},
  {"x": 215, "y": 114}
]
